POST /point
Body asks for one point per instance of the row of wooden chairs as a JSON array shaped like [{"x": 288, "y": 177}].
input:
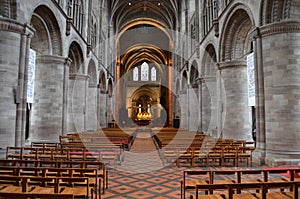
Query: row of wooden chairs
[
  {"x": 192, "y": 178},
  {"x": 282, "y": 190},
  {"x": 91, "y": 173},
  {"x": 79, "y": 187},
  {"x": 26, "y": 195},
  {"x": 71, "y": 152},
  {"x": 11, "y": 166},
  {"x": 210, "y": 156}
]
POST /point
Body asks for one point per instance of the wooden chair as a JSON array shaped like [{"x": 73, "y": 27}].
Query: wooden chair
[
  {"x": 46, "y": 185},
  {"x": 8, "y": 195},
  {"x": 244, "y": 154},
  {"x": 13, "y": 184},
  {"x": 12, "y": 195},
  {"x": 94, "y": 179},
  {"x": 209, "y": 191},
  {"x": 229, "y": 154},
  {"x": 70, "y": 185},
  {"x": 281, "y": 190},
  {"x": 14, "y": 152},
  {"x": 200, "y": 156},
  {"x": 185, "y": 154},
  {"x": 192, "y": 178},
  {"x": 214, "y": 156},
  {"x": 243, "y": 191},
  {"x": 51, "y": 196},
  {"x": 169, "y": 155},
  {"x": 228, "y": 176}
]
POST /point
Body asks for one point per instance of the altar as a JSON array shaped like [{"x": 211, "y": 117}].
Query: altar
[{"x": 143, "y": 118}]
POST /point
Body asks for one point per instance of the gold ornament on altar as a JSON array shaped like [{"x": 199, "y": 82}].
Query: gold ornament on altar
[{"x": 144, "y": 115}]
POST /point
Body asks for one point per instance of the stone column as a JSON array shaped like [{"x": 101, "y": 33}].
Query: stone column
[
  {"x": 209, "y": 119},
  {"x": 237, "y": 124},
  {"x": 65, "y": 96},
  {"x": 47, "y": 120},
  {"x": 77, "y": 103},
  {"x": 200, "y": 126},
  {"x": 91, "y": 107},
  {"x": 14, "y": 47},
  {"x": 184, "y": 112},
  {"x": 259, "y": 154},
  {"x": 194, "y": 108},
  {"x": 280, "y": 49},
  {"x": 104, "y": 115}
]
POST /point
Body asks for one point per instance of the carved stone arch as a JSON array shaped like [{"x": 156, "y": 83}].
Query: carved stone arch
[
  {"x": 145, "y": 91},
  {"x": 76, "y": 55},
  {"x": 102, "y": 82},
  {"x": 278, "y": 10},
  {"x": 110, "y": 88},
  {"x": 92, "y": 72},
  {"x": 194, "y": 73},
  {"x": 235, "y": 42},
  {"x": 184, "y": 80},
  {"x": 8, "y": 9},
  {"x": 47, "y": 38},
  {"x": 209, "y": 61}
]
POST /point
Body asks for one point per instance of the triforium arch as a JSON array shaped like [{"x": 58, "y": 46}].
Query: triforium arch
[
  {"x": 77, "y": 85},
  {"x": 92, "y": 72},
  {"x": 235, "y": 46},
  {"x": 47, "y": 44},
  {"x": 76, "y": 56},
  {"x": 193, "y": 96},
  {"x": 104, "y": 103},
  {"x": 91, "y": 97},
  {"x": 208, "y": 87}
]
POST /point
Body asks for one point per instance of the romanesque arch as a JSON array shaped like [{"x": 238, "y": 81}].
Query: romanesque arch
[
  {"x": 77, "y": 89},
  {"x": 76, "y": 56},
  {"x": 46, "y": 113},
  {"x": 91, "y": 97},
  {"x": 208, "y": 94},
  {"x": 235, "y": 46}
]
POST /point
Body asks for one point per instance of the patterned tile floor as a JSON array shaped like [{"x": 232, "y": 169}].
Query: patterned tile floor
[{"x": 143, "y": 176}]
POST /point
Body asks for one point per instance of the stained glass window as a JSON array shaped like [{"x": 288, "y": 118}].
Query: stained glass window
[
  {"x": 136, "y": 74},
  {"x": 145, "y": 72},
  {"x": 153, "y": 74}
]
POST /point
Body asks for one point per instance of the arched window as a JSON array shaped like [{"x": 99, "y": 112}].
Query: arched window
[
  {"x": 145, "y": 72},
  {"x": 153, "y": 74},
  {"x": 75, "y": 11},
  {"x": 136, "y": 74},
  {"x": 208, "y": 14}
]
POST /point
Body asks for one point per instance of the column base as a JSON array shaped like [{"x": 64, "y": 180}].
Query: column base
[{"x": 260, "y": 157}]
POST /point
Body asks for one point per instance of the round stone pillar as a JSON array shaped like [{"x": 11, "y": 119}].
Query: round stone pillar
[
  {"x": 47, "y": 114},
  {"x": 280, "y": 49},
  {"x": 236, "y": 112}
]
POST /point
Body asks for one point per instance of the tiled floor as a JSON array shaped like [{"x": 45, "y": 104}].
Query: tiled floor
[{"x": 143, "y": 176}]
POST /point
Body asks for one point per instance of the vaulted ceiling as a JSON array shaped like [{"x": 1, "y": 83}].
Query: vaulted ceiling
[
  {"x": 124, "y": 11},
  {"x": 144, "y": 29}
]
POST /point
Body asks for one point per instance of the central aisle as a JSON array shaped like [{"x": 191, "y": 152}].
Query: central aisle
[{"x": 143, "y": 155}]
